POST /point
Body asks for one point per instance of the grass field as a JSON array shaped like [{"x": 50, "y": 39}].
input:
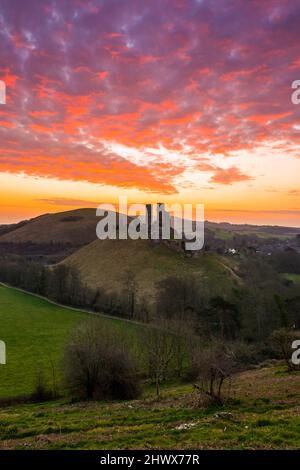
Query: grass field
[
  {"x": 292, "y": 277},
  {"x": 35, "y": 332},
  {"x": 265, "y": 414}
]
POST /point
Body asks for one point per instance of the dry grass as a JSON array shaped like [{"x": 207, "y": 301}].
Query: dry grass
[
  {"x": 266, "y": 415},
  {"x": 105, "y": 264}
]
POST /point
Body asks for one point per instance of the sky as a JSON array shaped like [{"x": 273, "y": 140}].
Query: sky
[{"x": 177, "y": 101}]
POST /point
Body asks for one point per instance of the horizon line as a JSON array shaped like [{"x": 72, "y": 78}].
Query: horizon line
[{"x": 205, "y": 221}]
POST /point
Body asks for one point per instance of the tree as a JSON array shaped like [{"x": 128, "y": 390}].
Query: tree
[
  {"x": 177, "y": 296},
  {"x": 293, "y": 309},
  {"x": 131, "y": 288},
  {"x": 283, "y": 338},
  {"x": 97, "y": 364},
  {"x": 158, "y": 348},
  {"x": 282, "y": 310},
  {"x": 183, "y": 332},
  {"x": 41, "y": 391},
  {"x": 215, "y": 367},
  {"x": 287, "y": 261},
  {"x": 223, "y": 316}
]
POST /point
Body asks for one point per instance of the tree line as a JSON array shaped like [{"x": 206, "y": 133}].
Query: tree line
[{"x": 249, "y": 312}]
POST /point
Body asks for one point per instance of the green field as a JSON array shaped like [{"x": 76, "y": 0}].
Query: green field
[{"x": 35, "y": 332}]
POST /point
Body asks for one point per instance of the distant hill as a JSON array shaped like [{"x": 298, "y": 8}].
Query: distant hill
[
  {"x": 71, "y": 235},
  {"x": 275, "y": 230},
  {"x": 48, "y": 235},
  {"x": 51, "y": 234},
  {"x": 7, "y": 228},
  {"x": 76, "y": 227}
]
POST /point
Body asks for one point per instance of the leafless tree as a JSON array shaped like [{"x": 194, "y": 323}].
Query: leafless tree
[
  {"x": 97, "y": 364},
  {"x": 215, "y": 367},
  {"x": 41, "y": 391},
  {"x": 182, "y": 329},
  {"x": 158, "y": 348},
  {"x": 131, "y": 287}
]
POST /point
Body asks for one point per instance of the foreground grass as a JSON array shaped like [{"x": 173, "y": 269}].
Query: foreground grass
[
  {"x": 35, "y": 332},
  {"x": 264, "y": 415}
]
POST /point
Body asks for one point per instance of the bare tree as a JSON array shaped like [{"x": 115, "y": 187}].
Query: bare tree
[
  {"x": 131, "y": 287},
  {"x": 183, "y": 332},
  {"x": 97, "y": 364},
  {"x": 158, "y": 348},
  {"x": 215, "y": 367},
  {"x": 41, "y": 391}
]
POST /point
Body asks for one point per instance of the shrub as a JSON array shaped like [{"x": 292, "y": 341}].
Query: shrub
[
  {"x": 97, "y": 364},
  {"x": 41, "y": 390},
  {"x": 215, "y": 366},
  {"x": 283, "y": 339}
]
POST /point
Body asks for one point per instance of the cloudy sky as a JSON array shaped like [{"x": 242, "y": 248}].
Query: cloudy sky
[{"x": 170, "y": 100}]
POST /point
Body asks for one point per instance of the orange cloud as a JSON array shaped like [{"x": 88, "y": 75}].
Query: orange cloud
[{"x": 228, "y": 176}]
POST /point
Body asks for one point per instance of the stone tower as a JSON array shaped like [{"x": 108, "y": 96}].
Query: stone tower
[{"x": 149, "y": 219}]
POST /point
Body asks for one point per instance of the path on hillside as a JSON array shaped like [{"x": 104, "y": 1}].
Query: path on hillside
[
  {"x": 231, "y": 271},
  {"x": 90, "y": 312}
]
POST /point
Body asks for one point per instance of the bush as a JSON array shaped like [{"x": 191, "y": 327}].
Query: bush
[
  {"x": 252, "y": 354},
  {"x": 213, "y": 367},
  {"x": 97, "y": 364},
  {"x": 283, "y": 339},
  {"x": 41, "y": 390}
]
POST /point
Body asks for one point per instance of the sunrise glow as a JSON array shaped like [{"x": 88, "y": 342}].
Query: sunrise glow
[{"x": 183, "y": 101}]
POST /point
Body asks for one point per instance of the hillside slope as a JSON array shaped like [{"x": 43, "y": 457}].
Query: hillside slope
[
  {"x": 51, "y": 237},
  {"x": 106, "y": 264},
  {"x": 76, "y": 227}
]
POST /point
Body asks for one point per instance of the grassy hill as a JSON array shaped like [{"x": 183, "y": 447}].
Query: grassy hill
[
  {"x": 264, "y": 415},
  {"x": 76, "y": 227},
  {"x": 51, "y": 238},
  {"x": 35, "y": 332},
  {"x": 106, "y": 263}
]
